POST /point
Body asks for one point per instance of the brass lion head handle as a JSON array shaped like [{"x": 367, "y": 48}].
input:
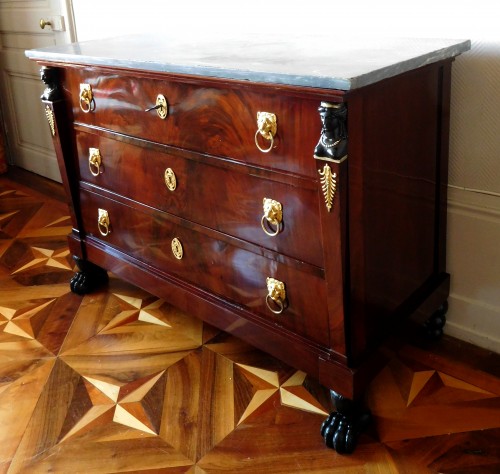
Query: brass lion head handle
[
  {"x": 272, "y": 220},
  {"x": 87, "y": 102},
  {"x": 276, "y": 296},
  {"x": 267, "y": 128},
  {"x": 103, "y": 223},
  {"x": 95, "y": 161}
]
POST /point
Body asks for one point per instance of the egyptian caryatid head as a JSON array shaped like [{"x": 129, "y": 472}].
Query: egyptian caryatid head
[{"x": 333, "y": 141}]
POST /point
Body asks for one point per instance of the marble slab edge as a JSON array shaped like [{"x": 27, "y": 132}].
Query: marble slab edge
[{"x": 49, "y": 55}]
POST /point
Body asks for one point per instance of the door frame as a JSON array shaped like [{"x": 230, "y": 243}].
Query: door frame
[{"x": 65, "y": 9}]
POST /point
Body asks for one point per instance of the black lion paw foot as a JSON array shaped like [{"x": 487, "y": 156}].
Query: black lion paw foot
[
  {"x": 341, "y": 432},
  {"x": 80, "y": 284},
  {"x": 88, "y": 278},
  {"x": 433, "y": 327}
]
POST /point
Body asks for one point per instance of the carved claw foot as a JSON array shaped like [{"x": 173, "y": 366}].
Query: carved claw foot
[
  {"x": 88, "y": 278},
  {"x": 433, "y": 327},
  {"x": 342, "y": 428}
]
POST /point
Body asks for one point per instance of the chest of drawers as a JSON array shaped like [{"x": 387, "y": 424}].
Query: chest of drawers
[{"x": 302, "y": 209}]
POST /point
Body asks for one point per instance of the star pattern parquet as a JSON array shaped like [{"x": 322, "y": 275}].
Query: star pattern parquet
[{"x": 121, "y": 381}]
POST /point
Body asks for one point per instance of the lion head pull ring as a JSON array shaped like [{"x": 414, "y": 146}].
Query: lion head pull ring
[
  {"x": 276, "y": 300},
  {"x": 103, "y": 223},
  {"x": 95, "y": 161},
  {"x": 87, "y": 101},
  {"x": 266, "y": 128},
  {"x": 272, "y": 220}
]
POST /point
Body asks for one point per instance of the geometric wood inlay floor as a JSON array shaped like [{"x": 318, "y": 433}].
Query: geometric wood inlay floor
[{"x": 121, "y": 381}]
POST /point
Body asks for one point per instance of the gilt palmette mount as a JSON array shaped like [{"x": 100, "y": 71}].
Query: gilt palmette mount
[{"x": 328, "y": 185}]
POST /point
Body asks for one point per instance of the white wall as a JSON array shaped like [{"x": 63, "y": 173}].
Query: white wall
[
  {"x": 197, "y": 18},
  {"x": 474, "y": 205}
]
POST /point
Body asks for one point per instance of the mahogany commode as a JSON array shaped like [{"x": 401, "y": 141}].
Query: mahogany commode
[{"x": 295, "y": 200}]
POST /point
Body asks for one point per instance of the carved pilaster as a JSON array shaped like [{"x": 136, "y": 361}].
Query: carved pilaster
[
  {"x": 60, "y": 123},
  {"x": 330, "y": 156},
  {"x": 332, "y": 146},
  {"x": 50, "y": 94}
]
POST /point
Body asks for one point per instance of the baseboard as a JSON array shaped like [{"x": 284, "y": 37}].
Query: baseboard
[
  {"x": 36, "y": 182},
  {"x": 474, "y": 263},
  {"x": 468, "y": 319}
]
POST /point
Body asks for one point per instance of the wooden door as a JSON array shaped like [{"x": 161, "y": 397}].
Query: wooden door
[{"x": 28, "y": 136}]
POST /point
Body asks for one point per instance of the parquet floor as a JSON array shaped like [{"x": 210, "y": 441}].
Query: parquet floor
[{"x": 120, "y": 381}]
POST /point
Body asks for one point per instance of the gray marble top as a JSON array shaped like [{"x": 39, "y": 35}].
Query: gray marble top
[{"x": 312, "y": 61}]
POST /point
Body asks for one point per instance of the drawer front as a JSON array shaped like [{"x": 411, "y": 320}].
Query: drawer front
[
  {"x": 220, "y": 121},
  {"x": 221, "y": 268},
  {"x": 228, "y": 200}
]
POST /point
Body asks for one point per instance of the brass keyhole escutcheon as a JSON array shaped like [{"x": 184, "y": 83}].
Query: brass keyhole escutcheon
[
  {"x": 95, "y": 161},
  {"x": 267, "y": 128},
  {"x": 170, "y": 179},
  {"x": 276, "y": 295},
  {"x": 103, "y": 223},
  {"x": 272, "y": 220},
  {"x": 161, "y": 107},
  {"x": 177, "y": 248},
  {"x": 87, "y": 102}
]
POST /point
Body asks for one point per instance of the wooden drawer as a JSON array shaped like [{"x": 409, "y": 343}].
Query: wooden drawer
[
  {"x": 234, "y": 273},
  {"x": 207, "y": 117},
  {"x": 230, "y": 199}
]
